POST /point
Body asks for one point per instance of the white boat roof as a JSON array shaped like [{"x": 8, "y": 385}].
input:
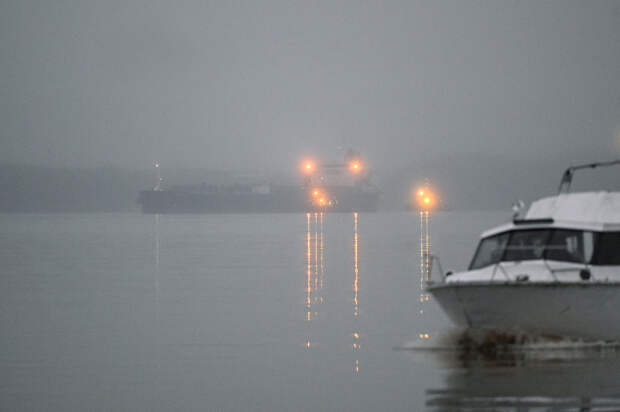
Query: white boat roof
[{"x": 598, "y": 211}]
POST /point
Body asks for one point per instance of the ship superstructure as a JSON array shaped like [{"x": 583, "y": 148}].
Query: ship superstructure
[
  {"x": 339, "y": 186},
  {"x": 328, "y": 187}
]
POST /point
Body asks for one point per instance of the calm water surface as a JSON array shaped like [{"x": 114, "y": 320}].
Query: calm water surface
[{"x": 255, "y": 312}]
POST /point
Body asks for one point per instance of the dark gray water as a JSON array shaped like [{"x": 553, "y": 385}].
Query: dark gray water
[{"x": 254, "y": 312}]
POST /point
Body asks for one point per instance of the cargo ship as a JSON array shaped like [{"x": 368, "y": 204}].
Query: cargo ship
[{"x": 326, "y": 187}]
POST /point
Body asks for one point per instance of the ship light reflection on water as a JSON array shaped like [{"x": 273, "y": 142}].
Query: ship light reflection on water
[
  {"x": 356, "y": 279},
  {"x": 426, "y": 200},
  {"x": 315, "y": 267},
  {"x": 308, "y": 275},
  {"x": 317, "y": 311}
]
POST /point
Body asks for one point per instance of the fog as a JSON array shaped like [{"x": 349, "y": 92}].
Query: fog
[
  {"x": 422, "y": 89},
  {"x": 164, "y": 248}
]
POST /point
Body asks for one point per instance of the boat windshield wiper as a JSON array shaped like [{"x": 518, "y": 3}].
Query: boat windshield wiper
[{"x": 567, "y": 177}]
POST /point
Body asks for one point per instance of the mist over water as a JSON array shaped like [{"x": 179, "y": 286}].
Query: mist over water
[
  {"x": 104, "y": 308},
  {"x": 251, "y": 312},
  {"x": 489, "y": 100}
]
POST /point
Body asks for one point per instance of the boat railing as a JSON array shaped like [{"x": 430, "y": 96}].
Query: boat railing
[
  {"x": 567, "y": 176},
  {"x": 583, "y": 270},
  {"x": 434, "y": 262},
  {"x": 499, "y": 266},
  {"x": 432, "y": 259}
]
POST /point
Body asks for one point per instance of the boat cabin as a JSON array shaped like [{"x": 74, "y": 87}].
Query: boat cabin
[{"x": 559, "y": 238}]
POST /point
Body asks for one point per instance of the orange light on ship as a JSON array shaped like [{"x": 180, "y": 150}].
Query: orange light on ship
[
  {"x": 315, "y": 193},
  {"x": 322, "y": 201},
  {"x": 308, "y": 167},
  {"x": 426, "y": 199},
  {"x": 355, "y": 166}
]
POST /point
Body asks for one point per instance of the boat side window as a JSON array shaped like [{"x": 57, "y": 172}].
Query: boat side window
[
  {"x": 490, "y": 251},
  {"x": 526, "y": 245},
  {"x": 607, "y": 249},
  {"x": 588, "y": 246},
  {"x": 570, "y": 246}
]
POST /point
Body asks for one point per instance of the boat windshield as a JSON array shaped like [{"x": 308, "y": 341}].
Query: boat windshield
[
  {"x": 563, "y": 245},
  {"x": 526, "y": 245},
  {"x": 490, "y": 251}
]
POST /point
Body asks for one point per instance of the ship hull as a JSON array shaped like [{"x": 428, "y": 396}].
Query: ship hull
[
  {"x": 288, "y": 200},
  {"x": 582, "y": 310}
]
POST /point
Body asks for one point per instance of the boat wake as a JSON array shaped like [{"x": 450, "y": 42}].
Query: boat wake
[
  {"x": 508, "y": 345},
  {"x": 516, "y": 371}
]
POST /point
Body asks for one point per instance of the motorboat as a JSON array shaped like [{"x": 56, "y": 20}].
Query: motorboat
[{"x": 554, "y": 271}]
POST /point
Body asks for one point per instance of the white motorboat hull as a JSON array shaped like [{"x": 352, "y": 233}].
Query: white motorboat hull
[{"x": 589, "y": 310}]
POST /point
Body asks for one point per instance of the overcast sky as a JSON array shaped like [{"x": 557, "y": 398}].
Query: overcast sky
[{"x": 257, "y": 84}]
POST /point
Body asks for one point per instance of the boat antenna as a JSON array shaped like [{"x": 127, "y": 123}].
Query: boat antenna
[{"x": 567, "y": 177}]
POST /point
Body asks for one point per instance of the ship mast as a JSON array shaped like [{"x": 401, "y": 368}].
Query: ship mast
[{"x": 157, "y": 187}]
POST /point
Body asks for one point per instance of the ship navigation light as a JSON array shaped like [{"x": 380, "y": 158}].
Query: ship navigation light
[
  {"x": 308, "y": 167},
  {"x": 355, "y": 166},
  {"x": 426, "y": 199}
]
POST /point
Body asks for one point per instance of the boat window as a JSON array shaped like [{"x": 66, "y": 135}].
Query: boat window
[
  {"x": 526, "y": 245},
  {"x": 607, "y": 250},
  {"x": 570, "y": 246},
  {"x": 490, "y": 250},
  {"x": 588, "y": 246}
]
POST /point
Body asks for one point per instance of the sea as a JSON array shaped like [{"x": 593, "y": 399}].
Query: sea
[{"x": 264, "y": 312}]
